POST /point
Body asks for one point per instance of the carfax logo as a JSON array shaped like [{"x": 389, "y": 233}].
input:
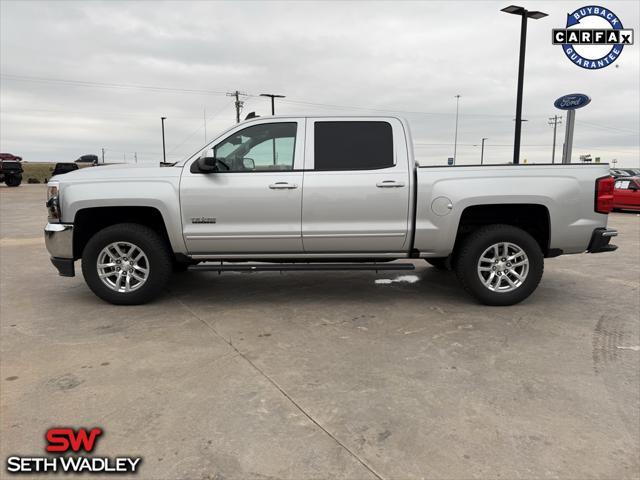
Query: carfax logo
[
  {"x": 68, "y": 441},
  {"x": 593, "y": 38}
]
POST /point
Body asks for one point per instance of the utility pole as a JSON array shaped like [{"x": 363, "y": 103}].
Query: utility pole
[
  {"x": 239, "y": 103},
  {"x": 273, "y": 96},
  {"x": 525, "y": 15},
  {"x": 455, "y": 140},
  {"x": 103, "y": 155},
  {"x": 482, "y": 151},
  {"x": 135, "y": 157},
  {"x": 555, "y": 121}
]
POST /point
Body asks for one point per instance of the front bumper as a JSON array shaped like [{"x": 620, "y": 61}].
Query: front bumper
[
  {"x": 58, "y": 238},
  {"x": 600, "y": 240}
]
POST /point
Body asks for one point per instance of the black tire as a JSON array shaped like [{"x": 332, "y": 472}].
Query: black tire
[
  {"x": 147, "y": 240},
  {"x": 466, "y": 265},
  {"x": 180, "y": 267},
  {"x": 439, "y": 263},
  {"x": 13, "y": 180}
]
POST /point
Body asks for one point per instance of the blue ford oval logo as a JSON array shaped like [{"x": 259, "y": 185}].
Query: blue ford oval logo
[{"x": 572, "y": 101}]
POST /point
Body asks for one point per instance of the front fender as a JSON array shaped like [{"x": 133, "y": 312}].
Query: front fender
[{"x": 159, "y": 193}]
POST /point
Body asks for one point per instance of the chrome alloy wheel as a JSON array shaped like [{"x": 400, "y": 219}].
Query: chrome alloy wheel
[
  {"x": 503, "y": 267},
  {"x": 123, "y": 267}
]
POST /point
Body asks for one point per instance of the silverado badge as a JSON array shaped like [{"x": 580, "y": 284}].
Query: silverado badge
[{"x": 203, "y": 220}]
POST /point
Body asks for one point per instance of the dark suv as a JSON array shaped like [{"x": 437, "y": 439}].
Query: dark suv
[
  {"x": 10, "y": 171},
  {"x": 92, "y": 159},
  {"x": 64, "y": 167}
]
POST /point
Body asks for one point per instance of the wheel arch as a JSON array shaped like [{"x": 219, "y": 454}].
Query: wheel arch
[
  {"x": 88, "y": 221},
  {"x": 530, "y": 217}
]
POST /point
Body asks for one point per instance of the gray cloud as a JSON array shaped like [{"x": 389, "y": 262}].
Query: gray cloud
[{"x": 396, "y": 56}]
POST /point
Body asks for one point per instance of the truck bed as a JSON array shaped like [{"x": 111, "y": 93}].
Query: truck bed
[{"x": 566, "y": 191}]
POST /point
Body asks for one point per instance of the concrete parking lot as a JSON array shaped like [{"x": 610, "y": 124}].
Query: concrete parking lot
[{"x": 327, "y": 374}]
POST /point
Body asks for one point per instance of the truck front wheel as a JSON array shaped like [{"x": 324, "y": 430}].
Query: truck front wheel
[
  {"x": 500, "y": 264},
  {"x": 126, "y": 264},
  {"x": 13, "y": 180}
]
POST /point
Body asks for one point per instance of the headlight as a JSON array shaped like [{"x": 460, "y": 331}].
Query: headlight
[{"x": 53, "y": 201}]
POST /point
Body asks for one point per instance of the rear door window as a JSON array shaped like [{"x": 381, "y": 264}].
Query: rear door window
[{"x": 353, "y": 145}]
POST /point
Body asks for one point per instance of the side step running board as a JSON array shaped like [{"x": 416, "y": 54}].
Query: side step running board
[{"x": 271, "y": 267}]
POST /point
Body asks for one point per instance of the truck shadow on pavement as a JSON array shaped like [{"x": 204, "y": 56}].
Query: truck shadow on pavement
[{"x": 268, "y": 288}]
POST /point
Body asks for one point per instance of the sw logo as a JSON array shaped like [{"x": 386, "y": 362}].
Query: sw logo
[
  {"x": 593, "y": 37},
  {"x": 63, "y": 440}
]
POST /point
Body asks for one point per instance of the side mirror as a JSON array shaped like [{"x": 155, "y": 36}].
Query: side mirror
[
  {"x": 248, "y": 164},
  {"x": 207, "y": 164}
]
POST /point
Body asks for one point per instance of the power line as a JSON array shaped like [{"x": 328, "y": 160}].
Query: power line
[
  {"x": 83, "y": 83},
  {"x": 132, "y": 150},
  {"x": 239, "y": 104},
  {"x": 353, "y": 107},
  {"x": 471, "y": 145},
  {"x": 197, "y": 130},
  {"x": 94, "y": 112},
  {"x": 606, "y": 127},
  {"x": 158, "y": 88},
  {"x": 599, "y": 147}
]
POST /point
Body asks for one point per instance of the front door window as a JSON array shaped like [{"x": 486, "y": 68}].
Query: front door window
[{"x": 265, "y": 147}]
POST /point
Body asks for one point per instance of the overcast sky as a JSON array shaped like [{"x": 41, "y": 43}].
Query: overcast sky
[{"x": 68, "y": 67}]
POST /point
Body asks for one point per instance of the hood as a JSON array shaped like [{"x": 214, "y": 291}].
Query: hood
[{"x": 118, "y": 172}]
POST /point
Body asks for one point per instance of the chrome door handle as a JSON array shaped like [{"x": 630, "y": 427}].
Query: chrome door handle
[
  {"x": 283, "y": 186},
  {"x": 389, "y": 184}
]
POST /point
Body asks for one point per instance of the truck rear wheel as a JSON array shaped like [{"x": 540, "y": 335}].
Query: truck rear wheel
[
  {"x": 126, "y": 264},
  {"x": 500, "y": 264}
]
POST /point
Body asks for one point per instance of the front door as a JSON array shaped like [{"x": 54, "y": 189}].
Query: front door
[{"x": 252, "y": 204}]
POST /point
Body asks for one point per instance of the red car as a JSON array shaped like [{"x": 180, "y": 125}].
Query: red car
[
  {"x": 9, "y": 156},
  {"x": 626, "y": 194}
]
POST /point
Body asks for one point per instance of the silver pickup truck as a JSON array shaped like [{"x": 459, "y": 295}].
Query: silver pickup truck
[{"x": 323, "y": 193}]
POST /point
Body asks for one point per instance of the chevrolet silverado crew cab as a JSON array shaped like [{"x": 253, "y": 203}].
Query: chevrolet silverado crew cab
[{"x": 323, "y": 193}]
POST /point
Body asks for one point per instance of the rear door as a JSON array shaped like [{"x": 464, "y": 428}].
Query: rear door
[{"x": 356, "y": 186}]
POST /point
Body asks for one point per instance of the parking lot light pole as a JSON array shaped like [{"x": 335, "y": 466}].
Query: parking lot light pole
[
  {"x": 525, "y": 14},
  {"x": 455, "y": 138},
  {"x": 164, "y": 153},
  {"x": 482, "y": 151}
]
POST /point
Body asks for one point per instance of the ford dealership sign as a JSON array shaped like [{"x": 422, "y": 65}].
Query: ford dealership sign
[{"x": 572, "y": 101}]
